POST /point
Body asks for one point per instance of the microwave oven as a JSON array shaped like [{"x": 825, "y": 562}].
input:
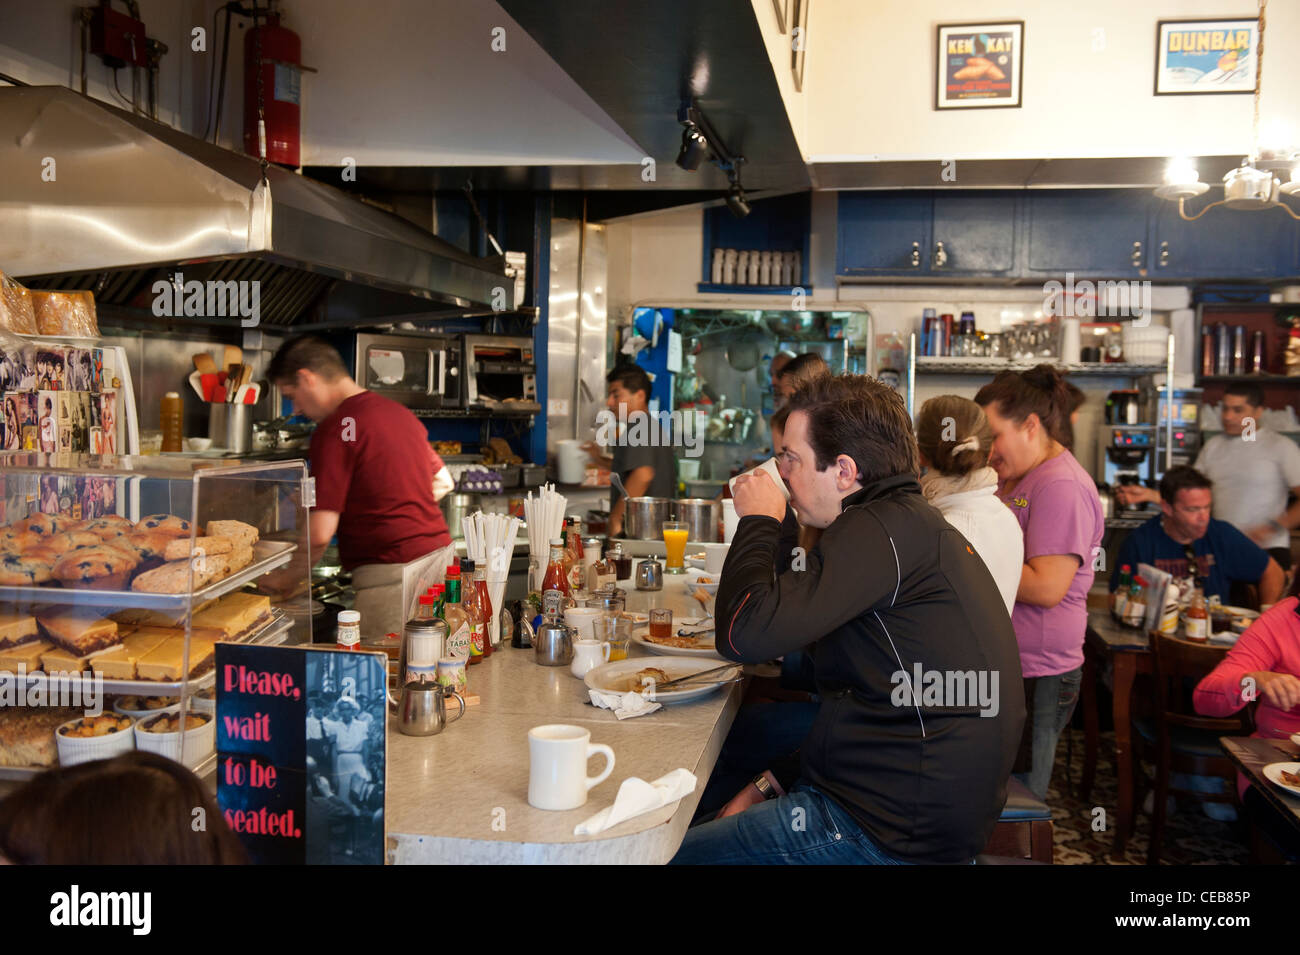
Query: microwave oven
[
  {"x": 500, "y": 374},
  {"x": 422, "y": 372}
]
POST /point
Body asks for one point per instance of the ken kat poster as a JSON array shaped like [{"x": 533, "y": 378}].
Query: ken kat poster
[{"x": 979, "y": 65}]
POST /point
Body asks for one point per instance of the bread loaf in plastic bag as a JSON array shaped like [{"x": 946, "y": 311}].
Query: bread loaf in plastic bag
[
  {"x": 70, "y": 314},
  {"x": 16, "y": 310}
]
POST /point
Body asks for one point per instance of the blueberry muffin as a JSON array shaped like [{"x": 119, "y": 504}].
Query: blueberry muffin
[
  {"x": 65, "y": 541},
  {"x": 168, "y": 524},
  {"x": 110, "y": 525},
  {"x": 23, "y": 570},
  {"x": 13, "y": 541},
  {"x": 95, "y": 568},
  {"x": 150, "y": 545},
  {"x": 44, "y": 524}
]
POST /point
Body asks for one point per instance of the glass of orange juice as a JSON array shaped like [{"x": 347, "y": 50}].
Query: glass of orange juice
[{"x": 675, "y": 533}]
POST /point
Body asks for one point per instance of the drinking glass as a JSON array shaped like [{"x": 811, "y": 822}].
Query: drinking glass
[
  {"x": 675, "y": 534},
  {"x": 606, "y": 629}
]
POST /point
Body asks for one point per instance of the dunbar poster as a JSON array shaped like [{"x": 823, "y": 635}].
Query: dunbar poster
[
  {"x": 980, "y": 65},
  {"x": 1206, "y": 56}
]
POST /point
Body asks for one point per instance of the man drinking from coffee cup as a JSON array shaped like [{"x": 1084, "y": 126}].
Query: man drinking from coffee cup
[{"x": 909, "y": 755}]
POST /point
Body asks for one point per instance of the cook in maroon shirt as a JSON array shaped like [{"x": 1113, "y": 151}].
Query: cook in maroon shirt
[{"x": 376, "y": 474}]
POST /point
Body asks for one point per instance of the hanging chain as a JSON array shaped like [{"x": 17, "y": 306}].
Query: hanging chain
[
  {"x": 261, "y": 95},
  {"x": 1259, "y": 80}
]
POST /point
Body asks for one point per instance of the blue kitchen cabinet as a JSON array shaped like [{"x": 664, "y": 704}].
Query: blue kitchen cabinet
[
  {"x": 882, "y": 233},
  {"x": 1088, "y": 232},
  {"x": 976, "y": 233},
  {"x": 1223, "y": 243}
]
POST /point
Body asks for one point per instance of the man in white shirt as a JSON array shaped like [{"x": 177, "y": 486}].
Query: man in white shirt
[{"x": 1253, "y": 470}]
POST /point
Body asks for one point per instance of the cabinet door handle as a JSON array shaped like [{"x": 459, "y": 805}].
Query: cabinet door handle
[
  {"x": 1137, "y": 255},
  {"x": 916, "y": 255},
  {"x": 940, "y": 257},
  {"x": 1164, "y": 253}
]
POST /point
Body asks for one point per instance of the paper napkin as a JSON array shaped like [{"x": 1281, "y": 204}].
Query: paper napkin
[
  {"x": 636, "y": 796},
  {"x": 624, "y": 705}
]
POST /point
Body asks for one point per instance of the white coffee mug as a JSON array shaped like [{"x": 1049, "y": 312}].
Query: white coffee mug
[
  {"x": 582, "y": 619},
  {"x": 715, "y": 555},
  {"x": 557, "y": 766},
  {"x": 770, "y": 467}
]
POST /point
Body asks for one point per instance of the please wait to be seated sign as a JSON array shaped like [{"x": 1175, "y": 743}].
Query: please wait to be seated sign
[{"x": 301, "y": 754}]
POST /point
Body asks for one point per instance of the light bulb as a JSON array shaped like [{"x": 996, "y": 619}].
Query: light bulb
[{"x": 1181, "y": 171}]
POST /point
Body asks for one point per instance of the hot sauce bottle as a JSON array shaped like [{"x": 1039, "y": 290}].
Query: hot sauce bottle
[
  {"x": 477, "y": 623},
  {"x": 483, "y": 605},
  {"x": 457, "y": 616}
]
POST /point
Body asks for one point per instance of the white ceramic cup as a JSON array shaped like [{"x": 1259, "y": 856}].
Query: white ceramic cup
[
  {"x": 557, "y": 766},
  {"x": 729, "y": 519},
  {"x": 770, "y": 467},
  {"x": 715, "y": 555},
  {"x": 583, "y": 619}
]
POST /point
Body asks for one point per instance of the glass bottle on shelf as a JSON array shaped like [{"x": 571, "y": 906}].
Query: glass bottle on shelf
[
  {"x": 483, "y": 606},
  {"x": 457, "y": 616}
]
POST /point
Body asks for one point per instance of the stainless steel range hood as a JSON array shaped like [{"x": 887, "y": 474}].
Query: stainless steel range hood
[{"x": 94, "y": 197}]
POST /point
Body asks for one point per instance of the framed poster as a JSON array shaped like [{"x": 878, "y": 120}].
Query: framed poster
[
  {"x": 1206, "y": 56},
  {"x": 782, "y": 8},
  {"x": 979, "y": 65},
  {"x": 798, "y": 40}
]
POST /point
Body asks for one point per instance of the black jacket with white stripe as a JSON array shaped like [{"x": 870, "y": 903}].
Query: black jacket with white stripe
[{"x": 891, "y": 586}]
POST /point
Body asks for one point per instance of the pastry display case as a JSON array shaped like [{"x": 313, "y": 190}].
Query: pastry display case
[{"x": 118, "y": 576}]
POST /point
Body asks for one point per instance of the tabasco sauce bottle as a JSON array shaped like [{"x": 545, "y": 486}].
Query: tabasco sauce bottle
[{"x": 457, "y": 616}]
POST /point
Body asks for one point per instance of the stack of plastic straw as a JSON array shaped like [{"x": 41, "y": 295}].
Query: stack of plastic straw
[{"x": 490, "y": 543}]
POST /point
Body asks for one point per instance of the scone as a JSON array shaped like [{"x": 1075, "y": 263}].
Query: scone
[
  {"x": 19, "y": 570},
  {"x": 240, "y": 558},
  {"x": 168, "y": 524},
  {"x": 174, "y": 576},
  {"x": 16, "y": 628},
  {"x": 239, "y": 532},
  {"x": 95, "y": 568},
  {"x": 78, "y": 630},
  {"x": 179, "y": 548}
]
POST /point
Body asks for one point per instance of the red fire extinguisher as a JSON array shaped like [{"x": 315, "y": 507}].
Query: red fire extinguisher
[{"x": 274, "y": 53}]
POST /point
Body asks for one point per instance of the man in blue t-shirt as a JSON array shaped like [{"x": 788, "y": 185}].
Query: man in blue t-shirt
[{"x": 1185, "y": 541}]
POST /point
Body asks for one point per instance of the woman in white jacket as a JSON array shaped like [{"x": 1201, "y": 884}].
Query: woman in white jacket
[{"x": 954, "y": 439}]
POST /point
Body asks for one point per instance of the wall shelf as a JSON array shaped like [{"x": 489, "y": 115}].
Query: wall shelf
[
  {"x": 752, "y": 289},
  {"x": 991, "y": 366}
]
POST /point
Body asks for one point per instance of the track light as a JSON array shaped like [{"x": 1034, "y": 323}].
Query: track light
[
  {"x": 695, "y": 148},
  {"x": 736, "y": 201}
]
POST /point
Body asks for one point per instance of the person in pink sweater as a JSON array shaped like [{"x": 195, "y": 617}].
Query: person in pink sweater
[{"x": 1263, "y": 665}]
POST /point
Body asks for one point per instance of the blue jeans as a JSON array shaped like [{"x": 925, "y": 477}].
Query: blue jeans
[
  {"x": 1049, "y": 713},
  {"x": 803, "y": 827},
  {"x": 761, "y": 733}
]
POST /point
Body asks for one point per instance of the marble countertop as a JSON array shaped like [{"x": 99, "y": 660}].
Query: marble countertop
[{"x": 462, "y": 796}]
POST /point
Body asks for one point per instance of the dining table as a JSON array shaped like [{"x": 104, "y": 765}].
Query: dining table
[
  {"x": 462, "y": 796},
  {"x": 1124, "y": 653},
  {"x": 1251, "y": 754}
]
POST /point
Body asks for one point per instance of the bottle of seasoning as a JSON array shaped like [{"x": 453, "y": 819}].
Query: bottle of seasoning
[
  {"x": 439, "y": 594},
  {"x": 423, "y": 640},
  {"x": 1122, "y": 587},
  {"x": 605, "y": 573},
  {"x": 1135, "y": 611},
  {"x": 578, "y": 567},
  {"x": 457, "y": 617},
  {"x": 469, "y": 600},
  {"x": 349, "y": 630},
  {"x": 1198, "y": 618},
  {"x": 483, "y": 605},
  {"x": 556, "y": 578},
  {"x": 622, "y": 563},
  {"x": 170, "y": 422}
]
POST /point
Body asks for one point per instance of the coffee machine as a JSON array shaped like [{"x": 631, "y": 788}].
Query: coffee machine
[{"x": 1127, "y": 454}]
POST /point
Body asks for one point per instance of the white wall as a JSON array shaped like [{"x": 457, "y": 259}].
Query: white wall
[
  {"x": 869, "y": 82},
  {"x": 40, "y": 44}
]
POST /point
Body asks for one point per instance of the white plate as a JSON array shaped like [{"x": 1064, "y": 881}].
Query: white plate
[
  {"x": 710, "y": 589},
  {"x": 1273, "y": 771},
  {"x": 660, "y": 650},
  {"x": 612, "y": 677},
  {"x": 1295, "y": 738}
]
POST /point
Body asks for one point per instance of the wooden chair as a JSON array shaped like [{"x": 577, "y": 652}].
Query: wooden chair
[
  {"x": 1023, "y": 830},
  {"x": 1174, "y": 738}
]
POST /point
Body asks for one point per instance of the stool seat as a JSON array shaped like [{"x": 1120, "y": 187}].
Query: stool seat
[{"x": 1022, "y": 805}]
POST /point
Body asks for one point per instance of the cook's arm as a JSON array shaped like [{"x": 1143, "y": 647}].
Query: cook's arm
[{"x": 442, "y": 484}]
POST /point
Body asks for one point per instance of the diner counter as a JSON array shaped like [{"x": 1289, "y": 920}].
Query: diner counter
[{"x": 462, "y": 796}]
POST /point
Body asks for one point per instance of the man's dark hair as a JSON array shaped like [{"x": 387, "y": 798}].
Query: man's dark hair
[
  {"x": 631, "y": 377},
  {"x": 861, "y": 417},
  {"x": 1253, "y": 394},
  {"x": 306, "y": 352},
  {"x": 1182, "y": 478},
  {"x": 802, "y": 369}
]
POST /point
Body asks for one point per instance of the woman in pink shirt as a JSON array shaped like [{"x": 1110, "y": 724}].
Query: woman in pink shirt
[
  {"x": 1263, "y": 665},
  {"x": 1056, "y": 503}
]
